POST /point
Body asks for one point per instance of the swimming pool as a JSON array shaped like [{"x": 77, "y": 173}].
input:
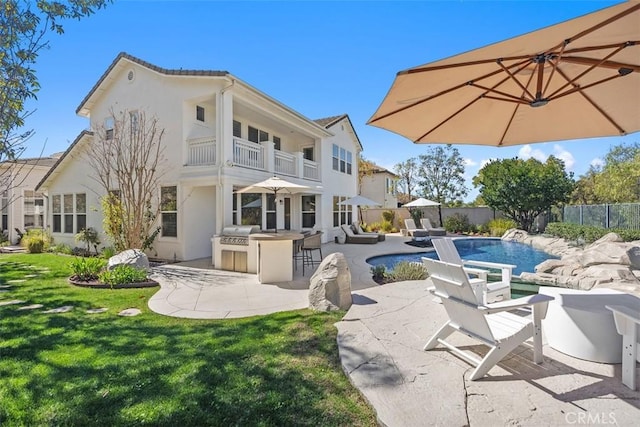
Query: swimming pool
[{"x": 524, "y": 257}]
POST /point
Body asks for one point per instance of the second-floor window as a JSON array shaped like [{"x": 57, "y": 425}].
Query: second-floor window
[
  {"x": 237, "y": 129},
  {"x": 391, "y": 186},
  {"x": 199, "y": 113},
  {"x": 342, "y": 160},
  {"x": 108, "y": 127},
  {"x": 257, "y": 135}
]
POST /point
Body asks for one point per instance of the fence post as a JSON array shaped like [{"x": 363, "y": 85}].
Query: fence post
[
  {"x": 606, "y": 215},
  {"x": 581, "y": 223}
]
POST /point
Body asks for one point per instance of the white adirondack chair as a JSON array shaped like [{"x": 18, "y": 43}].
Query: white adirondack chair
[
  {"x": 493, "y": 292},
  {"x": 628, "y": 325},
  {"x": 495, "y": 325}
]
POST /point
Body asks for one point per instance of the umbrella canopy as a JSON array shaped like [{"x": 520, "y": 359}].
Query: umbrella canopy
[
  {"x": 421, "y": 202},
  {"x": 274, "y": 185},
  {"x": 359, "y": 201},
  {"x": 576, "y": 79}
]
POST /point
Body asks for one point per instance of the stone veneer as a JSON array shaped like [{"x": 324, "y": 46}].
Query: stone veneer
[{"x": 606, "y": 263}]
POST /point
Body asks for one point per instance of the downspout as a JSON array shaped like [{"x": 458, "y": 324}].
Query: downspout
[{"x": 222, "y": 162}]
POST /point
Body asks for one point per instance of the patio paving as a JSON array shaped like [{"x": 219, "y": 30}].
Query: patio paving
[{"x": 380, "y": 341}]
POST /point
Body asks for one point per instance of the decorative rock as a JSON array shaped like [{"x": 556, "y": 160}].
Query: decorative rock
[
  {"x": 606, "y": 253},
  {"x": 10, "y": 302},
  {"x": 96, "y": 310},
  {"x": 548, "y": 266},
  {"x": 30, "y": 307},
  {"x": 130, "y": 312},
  {"x": 330, "y": 287},
  {"x": 63, "y": 309},
  {"x": 132, "y": 257}
]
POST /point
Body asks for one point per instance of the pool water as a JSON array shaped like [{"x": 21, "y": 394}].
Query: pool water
[{"x": 524, "y": 257}]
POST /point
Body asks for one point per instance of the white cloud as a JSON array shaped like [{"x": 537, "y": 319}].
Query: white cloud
[
  {"x": 565, "y": 156},
  {"x": 597, "y": 162},
  {"x": 484, "y": 162},
  {"x": 526, "y": 152},
  {"x": 470, "y": 162}
]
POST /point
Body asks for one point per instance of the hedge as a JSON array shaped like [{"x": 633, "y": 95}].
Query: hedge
[{"x": 588, "y": 233}]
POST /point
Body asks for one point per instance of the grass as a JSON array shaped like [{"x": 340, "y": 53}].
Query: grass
[{"x": 103, "y": 369}]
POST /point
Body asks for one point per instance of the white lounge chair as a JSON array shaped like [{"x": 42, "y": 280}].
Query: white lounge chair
[
  {"x": 495, "y": 325},
  {"x": 493, "y": 292},
  {"x": 433, "y": 231},
  {"x": 628, "y": 325},
  {"x": 410, "y": 225}
]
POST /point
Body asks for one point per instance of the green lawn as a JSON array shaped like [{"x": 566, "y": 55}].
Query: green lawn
[{"x": 103, "y": 369}]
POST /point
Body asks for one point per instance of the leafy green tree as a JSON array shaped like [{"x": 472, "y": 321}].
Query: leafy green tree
[
  {"x": 441, "y": 176},
  {"x": 24, "y": 25},
  {"x": 523, "y": 189},
  {"x": 408, "y": 173},
  {"x": 619, "y": 180},
  {"x": 585, "y": 191}
]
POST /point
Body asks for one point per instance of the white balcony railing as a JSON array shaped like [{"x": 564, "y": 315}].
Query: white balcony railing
[
  {"x": 248, "y": 154},
  {"x": 285, "y": 163},
  {"x": 201, "y": 152},
  {"x": 310, "y": 170}
]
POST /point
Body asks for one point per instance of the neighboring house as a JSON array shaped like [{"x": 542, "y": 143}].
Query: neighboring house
[
  {"x": 22, "y": 207},
  {"x": 380, "y": 185},
  {"x": 220, "y": 135}
]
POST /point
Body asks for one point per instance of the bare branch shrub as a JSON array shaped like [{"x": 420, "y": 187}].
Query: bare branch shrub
[{"x": 128, "y": 162}]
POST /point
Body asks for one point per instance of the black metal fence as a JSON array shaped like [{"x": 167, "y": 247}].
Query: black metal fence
[{"x": 624, "y": 215}]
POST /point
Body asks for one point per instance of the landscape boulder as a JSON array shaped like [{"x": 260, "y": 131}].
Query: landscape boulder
[
  {"x": 330, "y": 287},
  {"x": 132, "y": 257}
]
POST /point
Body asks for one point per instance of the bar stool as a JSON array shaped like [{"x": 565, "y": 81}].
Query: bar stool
[{"x": 310, "y": 244}]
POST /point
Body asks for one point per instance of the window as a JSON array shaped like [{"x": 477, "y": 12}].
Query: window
[
  {"x": 56, "y": 209},
  {"x": 4, "y": 207},
  {"x": 308, "y": 211},
  {"x": 276, "y": 142},
  {"x": 33, "y": 209},
  {"x": 271, "y": 211},
  {"x": 81, "y": 212},
  {"x": 134, "y": 121},
  {"x": 237, "y": 129},
  {"x": 199, "y": 113},
  {"x": 251, "y": 205},
  {"x": 257, "y": 135},
  {"x": 342, "y": 160},
  {"x": 67, "y": 209},
  {"x": 69, "y": 212},
  {"x": 169, "y": 211},
  {"x": 307, "y": 153},
  {"x": 341, "y": 213},
  {"x": 108, "y": 128}
]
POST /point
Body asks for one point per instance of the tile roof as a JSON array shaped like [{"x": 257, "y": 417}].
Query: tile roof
[{"x": 330, "y": 121}]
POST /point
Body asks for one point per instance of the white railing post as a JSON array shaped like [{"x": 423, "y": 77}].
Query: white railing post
[
  {"x": 268, "y": 149},
  {"x": 299, "y": 164}
]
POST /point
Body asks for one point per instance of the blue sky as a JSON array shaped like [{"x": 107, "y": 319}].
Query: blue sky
[{"x": 321, "y": 58}]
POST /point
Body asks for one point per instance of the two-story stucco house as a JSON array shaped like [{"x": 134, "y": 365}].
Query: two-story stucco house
[
  {"x": 220, "y": 136},
  {"x": 22, "y": 208},
  {"x": 380, "y": 185}
]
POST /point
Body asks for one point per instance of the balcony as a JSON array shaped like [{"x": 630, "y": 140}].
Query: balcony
[{"x": 262, "y": 156}]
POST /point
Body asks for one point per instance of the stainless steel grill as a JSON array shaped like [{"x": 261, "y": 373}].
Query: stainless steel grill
[{"x": 237, "y": 235}]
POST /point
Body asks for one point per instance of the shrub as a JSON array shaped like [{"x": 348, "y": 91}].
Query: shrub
[
  {"x": 498, "y": 226},
  {"x": 405, "y": 270},
  {"x": 588, "y": 233},
  {"x": 61, "y": 248},
  {"x": 90, "y": 238},
  {"x": 386, "y": 226},
  {"x": 457, "y": 223},
  {"x": 36, "y": 241},
  {"x": 388, "y": 216},
  {"x": 122, "y": 274},
  {"x": 379, "y": 272},
  {"x": 108, "y": 252},
  {"x": 374, "y": 226},
  {"x": 86, "y": 269}
]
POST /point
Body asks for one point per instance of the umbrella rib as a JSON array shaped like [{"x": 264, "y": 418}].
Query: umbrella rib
[
  {"x": 596, "y": 106},
  {"x": 521, "y": 67},
  {"x": 602, "y": 24}
]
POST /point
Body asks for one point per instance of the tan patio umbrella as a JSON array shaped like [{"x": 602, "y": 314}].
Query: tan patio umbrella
[
  {"x": 576, "y": 79},
  {"x": 275, "y": 185}
]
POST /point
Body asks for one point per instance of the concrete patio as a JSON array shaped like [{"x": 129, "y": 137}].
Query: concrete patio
[{"x": 380, "y": 341}]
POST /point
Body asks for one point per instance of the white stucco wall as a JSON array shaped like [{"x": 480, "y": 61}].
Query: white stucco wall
[
  {"x": 336, "y": 183},
  {"x": 374, "y": 187}
]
